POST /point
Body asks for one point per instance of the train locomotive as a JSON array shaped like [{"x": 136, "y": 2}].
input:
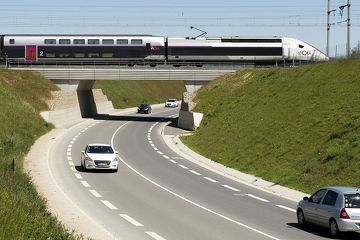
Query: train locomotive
[{"x": 153, "y": 50}]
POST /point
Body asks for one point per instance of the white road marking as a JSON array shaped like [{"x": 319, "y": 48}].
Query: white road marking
[
  {"x": 78, "y": 176},
  {"x": 131, "y": 220},
  {"x": 287, "y": 208},
  {"x": 184, "y": 198},
  {"x": 258, "y": 198},
  {"x": 166, "y": 157},
  {"x": 155, "y": 149},
  {"x": 109, "y": 205},
  {"x": 69, "y": 150},
  {"x": 150, "y": 141},
  {"x": 159, "y": 152},
  {"x": 95, "y": 193},
  {"x": 155, "y": 236},
  {"x": 231, "y": 188},
  {"x": 71, "y": 142},
  {"x": 152, "y": 145},
  {"x": 73, "y": 169},
  {"x": 85, "y": 183},
  {"x": 173, "y": 161},
  {"x": 182, "y": 166},
  {"x": 70, "y": 146},
  {"x": 69, "y": 158},
  {"x": 195, "y": 172},
  {"x": 68, "y": 153},
  {"x": 211, "y": 180},
  {"x": 71, "y": 163},
  {"x": 177, "y": 158}
]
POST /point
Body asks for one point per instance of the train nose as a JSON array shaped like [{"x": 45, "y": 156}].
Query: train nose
[{"x": 320, "y": 56}]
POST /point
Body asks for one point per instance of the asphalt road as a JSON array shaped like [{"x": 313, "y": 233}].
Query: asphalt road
[{"x": 156, "y": 194}]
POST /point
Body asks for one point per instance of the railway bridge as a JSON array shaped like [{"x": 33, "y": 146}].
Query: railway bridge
[{"x": 81, "y": 79}]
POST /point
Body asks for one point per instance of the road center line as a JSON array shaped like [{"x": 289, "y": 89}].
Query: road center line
[
  {"x": 155, "y": 236},
  {"x": 231, "y": 188},
  {"x": 211, "y": 180},
  {"x": 182, "y": 166},
  {"x": 287, "y": 208},
  {"x": 85, "y": 184},
  {"x": 109, "y": 205},
  {"x": 258, "y": 198},
  {"x": 95, "y": 193},
  {"x": 78, "y": 176},
  {"x": 131, "y": 220},
  {"x": 195, "y": 172}
]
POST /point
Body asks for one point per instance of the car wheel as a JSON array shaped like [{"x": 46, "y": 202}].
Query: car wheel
[
  {"x": 334, "y": 229},
  {"x": 84, "y": 167},
  {"x": 116, "y": 170},
  {"x": 301, "y": 218}
]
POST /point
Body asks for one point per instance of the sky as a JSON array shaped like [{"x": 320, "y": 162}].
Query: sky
[{"x": 301, "y": 19}]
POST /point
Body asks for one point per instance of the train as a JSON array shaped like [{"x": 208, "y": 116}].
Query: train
[{"x": 152, "y": 50}]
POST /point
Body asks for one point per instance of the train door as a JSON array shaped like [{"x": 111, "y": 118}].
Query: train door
[{"x": 31, "y": 53}]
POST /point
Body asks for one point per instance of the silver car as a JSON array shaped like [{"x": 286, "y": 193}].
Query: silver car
[
  {"x": 337, "y": 208},
  {"x": 99, "y": 156}
]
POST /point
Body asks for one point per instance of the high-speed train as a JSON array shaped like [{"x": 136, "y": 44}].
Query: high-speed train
[{"x": 152, "y": 50}]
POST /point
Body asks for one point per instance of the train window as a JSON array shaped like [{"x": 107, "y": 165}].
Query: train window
[
  {"x": 122, "y": 41},
  {"x": 107, "y": 55},
  {"x": 136, "y": 41},
  {"x": 79, "y": 41},
  {"x": 11, "y": 41},
  {"x": 64, "y": 55},
  {"x": 64, "y": 41},
  {"x": 50, "y": 55},
  {"x": 108, "y": 41},
  {"x": 93, "y": 55},
  {"x": 93, "y": 41},
  {"x": 301, "y": 46},
  {"x": 50, "y": 41},
  {"x": 79, "y": 55}
]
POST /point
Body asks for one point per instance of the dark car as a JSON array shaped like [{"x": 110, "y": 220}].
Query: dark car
[{"x": 144, "y": 108}]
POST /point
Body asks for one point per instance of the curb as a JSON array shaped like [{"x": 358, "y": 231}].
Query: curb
[{"x": 174, "y": 142}]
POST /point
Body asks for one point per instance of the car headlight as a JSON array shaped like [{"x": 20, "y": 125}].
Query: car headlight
[
  {"x": 116, "y": 159},
  {"x": 88, "y": 159}
]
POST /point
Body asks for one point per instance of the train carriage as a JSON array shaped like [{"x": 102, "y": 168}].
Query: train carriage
[{"x": 152, "y": 50}]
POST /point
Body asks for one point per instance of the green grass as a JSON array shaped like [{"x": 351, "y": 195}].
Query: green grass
[
  {"x": 125, "y": 94},
  {"x": 23, "y": 213},
  {"x": 297, "y": 127}
]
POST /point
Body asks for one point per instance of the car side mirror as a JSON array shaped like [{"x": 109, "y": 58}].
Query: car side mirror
[
  {"x": 116, "y": 152},
  {"x": 306, "y": 198},
  {"x": 83, "y": 152}
]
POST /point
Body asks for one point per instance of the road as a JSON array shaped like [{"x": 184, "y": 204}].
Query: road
[{"x": 156, "y": 194}]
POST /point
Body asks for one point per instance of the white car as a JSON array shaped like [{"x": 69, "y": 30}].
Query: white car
[
  {"x": 171, "y": 103},
  {"x": 99, "y": 156}
]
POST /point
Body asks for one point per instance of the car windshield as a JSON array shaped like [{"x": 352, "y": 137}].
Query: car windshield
[
  {"x": 352, "y": 200},
  {"x": 171, "y": 100},
  {"x": 143, "y": 105},
  {"x": 100, "y": 149}
]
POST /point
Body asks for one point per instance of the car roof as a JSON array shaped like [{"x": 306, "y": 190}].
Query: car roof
[
  {"x": 343, "y": 190},
  {"x": 99, "y": 144}
]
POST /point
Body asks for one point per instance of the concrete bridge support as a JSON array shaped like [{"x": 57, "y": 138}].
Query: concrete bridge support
[
  {"x": 86, "y": 98},
  {"x": 188, "y": 119},
  {"x": 76, "y": 100}
]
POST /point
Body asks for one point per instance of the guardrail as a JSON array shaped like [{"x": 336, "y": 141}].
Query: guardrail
[{"x": 195, "y": 74}]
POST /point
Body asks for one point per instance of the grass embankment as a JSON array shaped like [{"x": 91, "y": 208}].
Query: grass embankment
[
  {"x": 23, "y": 213},
  {"x": 297, "y": 127},
  {"x": 125, "y": 94}
]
